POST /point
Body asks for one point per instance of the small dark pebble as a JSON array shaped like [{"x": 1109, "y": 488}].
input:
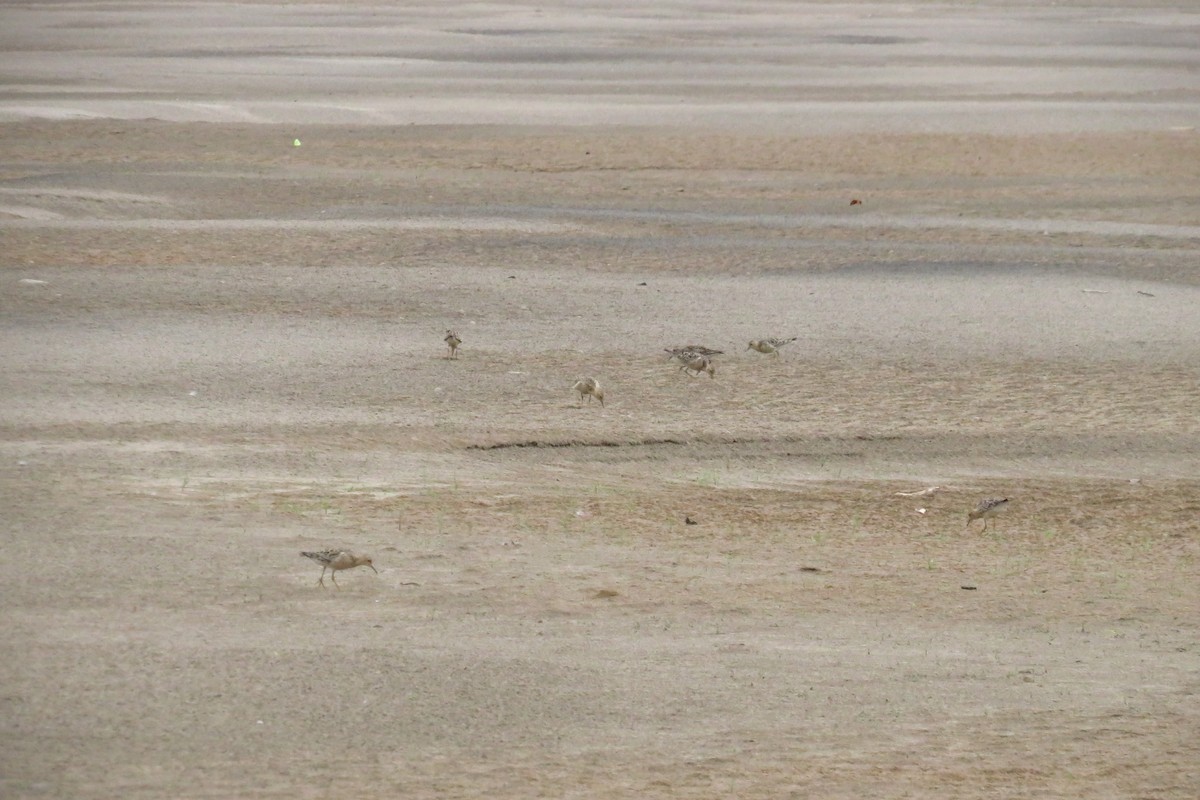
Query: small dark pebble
[
  {"x": 968, "y": 588},
  {"x": 689, "y": 521}
]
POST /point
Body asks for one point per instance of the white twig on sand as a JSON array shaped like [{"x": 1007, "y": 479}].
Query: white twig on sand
[{"x": 928, "y": 491}]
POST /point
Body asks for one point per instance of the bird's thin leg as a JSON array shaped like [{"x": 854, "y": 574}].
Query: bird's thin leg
[
  {"x": 333, "y": 577},
  {"x": 321, "y": 580}
]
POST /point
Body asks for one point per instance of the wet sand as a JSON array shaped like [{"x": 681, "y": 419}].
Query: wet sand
[{"x": 218, "y": 349}]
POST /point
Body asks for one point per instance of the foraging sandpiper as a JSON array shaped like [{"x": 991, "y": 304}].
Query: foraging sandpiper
[
  {"x": 695, "y": 363},
  {"x": 334, "y": 560},
  {"x": 589, "y": 387},
  {"x": 987, "y": 508},
  {"x": 452, "y": 341},
  {"x": 769, "y": 345},
  {"x": 699, "y": 349}
]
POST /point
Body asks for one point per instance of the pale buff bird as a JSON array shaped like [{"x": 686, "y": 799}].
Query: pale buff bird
[
  {"x": 986, "y": 509},
  {"x": 700, "y": 349},
  {"x": 769, "y": 346},
  {"x": 452, "y": 341},
  {"x": 334, "y": 560},
  {"x": 694, "y": 364},
  {"x": 589, "y": 388}
]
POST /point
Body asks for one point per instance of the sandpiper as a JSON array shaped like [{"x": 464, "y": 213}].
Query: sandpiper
[
  {"x": 694, "y": 364},
  {"x": 700, "y": 349},
  {"x": 769, "y": 345},
  {"x": 452, "y": 341},
  {"x": 334, "y": 560},
  {"x": 589, "y": 388},
  {"x": 987, "y": 508}
]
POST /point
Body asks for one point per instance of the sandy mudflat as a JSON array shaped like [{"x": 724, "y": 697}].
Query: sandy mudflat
[{"x": 218, "y": 349}]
